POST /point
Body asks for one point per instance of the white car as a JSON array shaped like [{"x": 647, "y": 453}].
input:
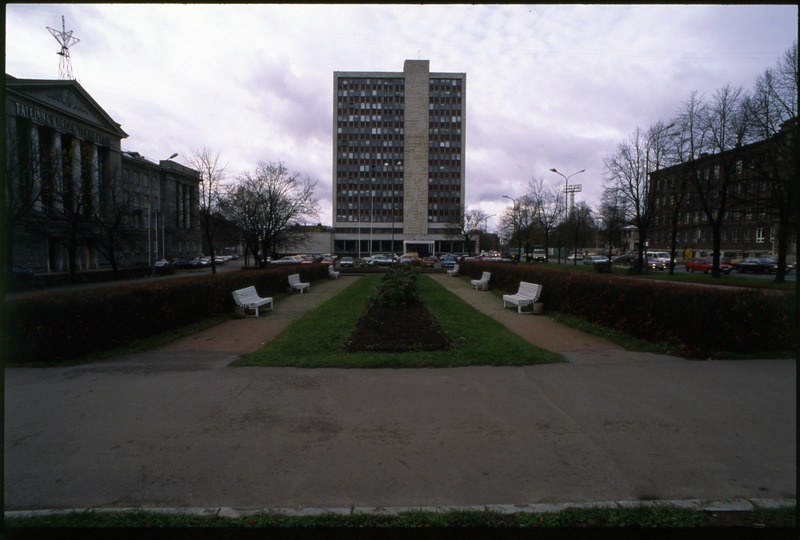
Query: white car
[
  {"x": 347, "y": 261},
  {"x": 595, "y": 259},
  {"x": 289, "y": 259}
]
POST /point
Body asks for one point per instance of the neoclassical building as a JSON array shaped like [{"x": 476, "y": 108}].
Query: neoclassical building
[{"x": 74, "y": 197}]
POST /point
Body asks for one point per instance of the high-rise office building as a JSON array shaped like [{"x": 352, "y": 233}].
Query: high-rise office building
[{"x": 398, "y": 160}]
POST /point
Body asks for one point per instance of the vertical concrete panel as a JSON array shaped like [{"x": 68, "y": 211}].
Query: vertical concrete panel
[{"x": 415, "y": 162}]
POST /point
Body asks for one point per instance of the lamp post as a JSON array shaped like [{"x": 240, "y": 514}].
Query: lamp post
[{"x": 566, "y": 194}]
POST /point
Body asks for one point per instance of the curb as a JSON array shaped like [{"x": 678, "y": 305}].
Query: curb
[{"x": 723, "y": 505}]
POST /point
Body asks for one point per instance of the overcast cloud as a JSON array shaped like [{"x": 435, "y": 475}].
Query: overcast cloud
[{"x": 547, "y": 85}]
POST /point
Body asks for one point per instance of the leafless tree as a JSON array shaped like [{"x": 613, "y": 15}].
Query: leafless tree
[
  {"x": 773, "y": 113},
  {"x": 628, "y": 170},
  {"x": 21, "y": 190},
  {"x": 545, "y": 204},
  {"x": 110, "y": 218},
  {"x": 212, "y": 174},
  {"x": 612, "y": 217},
  {"x": 467, "y": 226},
  {"x": 268, "y": 205}
]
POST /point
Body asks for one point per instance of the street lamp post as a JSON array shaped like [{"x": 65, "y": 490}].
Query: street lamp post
[{"x": 566, "y": 194}]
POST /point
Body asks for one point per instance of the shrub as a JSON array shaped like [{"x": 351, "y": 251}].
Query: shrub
[
  {"x": 397, "y": 287},
  {"x": 60, "y": 326},
  {"x": 697, "y": 320}
]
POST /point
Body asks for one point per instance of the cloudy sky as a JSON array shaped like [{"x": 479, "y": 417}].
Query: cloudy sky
[{"x": 547, "y": 85}]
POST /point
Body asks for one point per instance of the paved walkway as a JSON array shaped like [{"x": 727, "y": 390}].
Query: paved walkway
[{"x": 179, "y": 428}]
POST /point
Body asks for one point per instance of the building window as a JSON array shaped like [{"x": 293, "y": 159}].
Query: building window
[{"x": 760, "y": 235}]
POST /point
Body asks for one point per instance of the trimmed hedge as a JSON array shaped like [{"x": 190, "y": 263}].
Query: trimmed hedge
[
  {"x": 69, "y": 325},
  {"x": 698, "y": 320}
]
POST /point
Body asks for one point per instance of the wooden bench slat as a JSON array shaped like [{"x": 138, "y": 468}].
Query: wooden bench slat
[{"x": 527, "y": 295}]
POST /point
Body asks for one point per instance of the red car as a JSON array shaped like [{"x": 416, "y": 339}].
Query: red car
[{"x": 705, "y": 265}]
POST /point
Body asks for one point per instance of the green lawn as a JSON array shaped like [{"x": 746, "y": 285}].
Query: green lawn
[{"x": 314, "y": 341}]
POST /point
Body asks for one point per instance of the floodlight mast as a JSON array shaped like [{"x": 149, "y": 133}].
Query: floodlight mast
[{"x": 66, "y": 39}]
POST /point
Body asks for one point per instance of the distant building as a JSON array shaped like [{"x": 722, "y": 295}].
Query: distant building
[
  {"x": 398, "y": 159},
  {"x": 74, "y": 195},
  {"x": 750, "y": 225}
]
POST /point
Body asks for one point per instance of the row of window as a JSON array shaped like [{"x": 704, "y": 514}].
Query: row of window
[
  {"x": 388, "y": 132},
  {"x": 728, "y": 236}
]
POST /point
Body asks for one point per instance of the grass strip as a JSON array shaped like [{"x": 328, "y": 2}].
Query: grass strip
[
  {"x": 314, "y": 340},
  {"x": 661, "y": 515}
]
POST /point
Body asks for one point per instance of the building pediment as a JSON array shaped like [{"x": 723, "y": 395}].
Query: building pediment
[{"x": 62, "y": 98}]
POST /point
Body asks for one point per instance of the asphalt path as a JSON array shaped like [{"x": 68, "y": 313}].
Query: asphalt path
[{"x": 183, "y": 429}]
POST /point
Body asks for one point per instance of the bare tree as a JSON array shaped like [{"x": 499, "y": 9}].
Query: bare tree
[
  {"x": 545, "y": 204},
  {"x": 726, "y": 127},
  {"x": 109, "y": 218},
  {"x": 21, "y": 189},
  {"x": 612, "y": 217},
  {"x": 628, "y": 171},
  {"x": 773, "y": 112},
  {"x": 269, "y": 204},
  {"x": 467, "y": 226},
  {"x": 212, "y": 173},
  {"x": 516, "y": 223}
]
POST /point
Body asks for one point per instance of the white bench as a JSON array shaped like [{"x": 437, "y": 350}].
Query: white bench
[
  {"x": 482, "y": 283},
  {"x": 454, "y": 271},
  {"x": 333, "y": 274},
  {"x": 295, "y": 283},
  {"x": 527, "y": 295},
  {"x": 248, "y": 298}
]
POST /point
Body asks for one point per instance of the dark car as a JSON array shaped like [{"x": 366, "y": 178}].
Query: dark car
[
  {"x": 705, "y": 265},
  {"x": 758, "y": 265}
]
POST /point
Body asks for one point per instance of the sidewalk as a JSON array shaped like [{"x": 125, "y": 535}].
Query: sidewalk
[
  {"x": 239, "y": 336},
  {"x": 178, "y": 428}
]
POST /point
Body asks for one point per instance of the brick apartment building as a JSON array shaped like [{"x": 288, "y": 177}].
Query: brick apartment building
[{"x": 757, "y": 179}]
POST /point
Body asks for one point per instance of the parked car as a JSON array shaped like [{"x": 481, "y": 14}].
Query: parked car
[
  {"x": 595, "y": 259},
  {"x": 379, "y": 260},
  {"x": 289, "y": 259},
  {"x": 655, "y": 264},
  {"x": 428, "y": 262},
  {"x": 161, "y": 263},
  {"x": 347, "y": 261},
  {"x": 182, "y": 264},
  {"x": 758, "y": 265},
  {"x": 307, "y": 259},
  {"x": 625, "y": 258},
  {"x": 658, "y": 259},
  {"x": 21, "y": 271},
  {"x": 448, "y": 262},
  {"x": 705, "y": 265}
]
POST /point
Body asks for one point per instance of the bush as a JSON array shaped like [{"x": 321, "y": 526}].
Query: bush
[
  {"x": 68, "y": 325},
  {"x": 698, "y": 321},
  {"x": 398, "y": 287}
]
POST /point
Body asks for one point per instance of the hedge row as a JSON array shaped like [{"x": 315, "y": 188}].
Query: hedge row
[
  {"x": 697, "y": 320},
  {"x": 69, "y": 325}
]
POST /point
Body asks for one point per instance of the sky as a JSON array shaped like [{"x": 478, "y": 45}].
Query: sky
[{"x": 548, "y": 86}]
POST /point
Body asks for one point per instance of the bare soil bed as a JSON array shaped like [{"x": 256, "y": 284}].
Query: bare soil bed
[{"x": 405, "y": 328}]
